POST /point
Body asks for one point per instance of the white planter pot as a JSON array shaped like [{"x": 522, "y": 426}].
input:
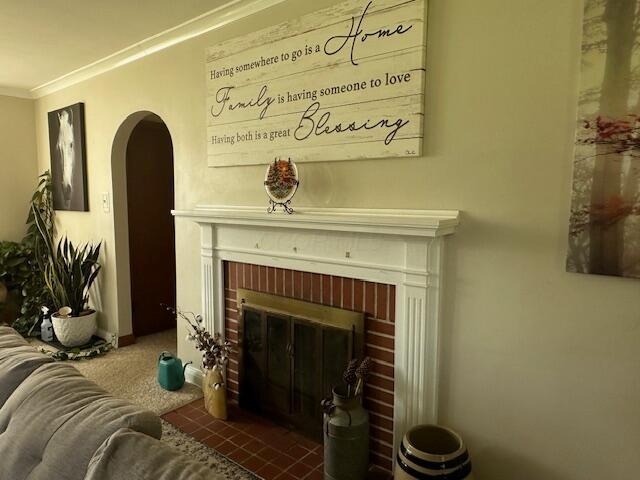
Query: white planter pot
[{"x": 75, "y": 331}]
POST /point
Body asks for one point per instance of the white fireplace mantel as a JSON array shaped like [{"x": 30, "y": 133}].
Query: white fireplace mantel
[{"x": 400, "y": 247}]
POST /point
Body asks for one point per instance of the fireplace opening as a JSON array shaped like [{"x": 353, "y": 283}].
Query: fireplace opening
[
  {"x": 376, "y": 302},
  {"x": 291, "y": 354}
]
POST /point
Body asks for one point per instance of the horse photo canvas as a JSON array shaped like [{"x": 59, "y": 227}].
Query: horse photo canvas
[{"x": 68, "y": 158}]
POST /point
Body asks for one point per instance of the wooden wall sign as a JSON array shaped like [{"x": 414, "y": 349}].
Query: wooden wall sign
[{"x": 346, "y": 82}]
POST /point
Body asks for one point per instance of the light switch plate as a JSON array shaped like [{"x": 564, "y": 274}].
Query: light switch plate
[{"x": 106, "y": 203}]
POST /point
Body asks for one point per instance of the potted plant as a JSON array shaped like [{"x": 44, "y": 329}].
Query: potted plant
[
  {"x": 69, "y": 275},
  {"x": 22, "y": 265},
  {"x": 215, "y": 356}
]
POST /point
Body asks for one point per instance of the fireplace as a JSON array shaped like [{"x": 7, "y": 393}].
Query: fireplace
[
  {"x": 389, "y": 263},
  {"x": 365, "y": 308},
  {"x": 290, "y": 355}
]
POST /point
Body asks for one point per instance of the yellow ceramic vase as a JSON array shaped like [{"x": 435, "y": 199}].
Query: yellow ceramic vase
[{"x": 215, "y": 393}]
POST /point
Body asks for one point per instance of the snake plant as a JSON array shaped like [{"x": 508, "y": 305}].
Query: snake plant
[{"x": 69, "y": 271}]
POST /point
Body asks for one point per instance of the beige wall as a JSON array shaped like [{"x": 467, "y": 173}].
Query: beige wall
[
  {"x": 18, "y": 165},
  {"x": 539, "y": 366}
]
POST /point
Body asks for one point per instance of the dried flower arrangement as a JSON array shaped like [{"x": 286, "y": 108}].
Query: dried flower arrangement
[
  {"x": 215, "y": 350},
  {"x": 356, "y": 375}
]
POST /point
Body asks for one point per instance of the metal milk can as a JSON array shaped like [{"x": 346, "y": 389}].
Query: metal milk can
[{"x": 346, "y": 437}]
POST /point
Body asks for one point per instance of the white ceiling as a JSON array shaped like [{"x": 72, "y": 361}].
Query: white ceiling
[{"x": 42, "y": 40}]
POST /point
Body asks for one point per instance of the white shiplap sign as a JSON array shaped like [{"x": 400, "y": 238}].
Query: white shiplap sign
[{"x": 342, "y": 83}]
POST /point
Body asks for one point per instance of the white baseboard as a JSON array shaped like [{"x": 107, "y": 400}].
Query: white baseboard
[
  {"x": 193, "y": 375},
  {"x": 108, "y": 336}
]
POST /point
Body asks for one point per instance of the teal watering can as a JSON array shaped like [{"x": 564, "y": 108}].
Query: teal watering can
[{"x": 170, "y": 371}]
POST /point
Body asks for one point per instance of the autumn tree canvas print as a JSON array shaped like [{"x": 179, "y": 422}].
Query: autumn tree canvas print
[{"x": 604, "y": 233}]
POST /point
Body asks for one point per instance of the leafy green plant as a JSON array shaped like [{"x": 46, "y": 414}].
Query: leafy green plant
[
  {"x": 14, "y": 273},
  {"x": 38, "y": 233},
  {"x": 22, "y": 264},
  {"x": 14, "y": 264},
  {"x": 70, "y": 273}
]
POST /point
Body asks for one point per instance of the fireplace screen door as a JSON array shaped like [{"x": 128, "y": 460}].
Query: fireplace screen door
[{"x": 292, "y": 353}]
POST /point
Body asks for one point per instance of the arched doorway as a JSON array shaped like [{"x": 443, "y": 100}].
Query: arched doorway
[
  {"x": 152, "y": 255},
  {"x": 143, "y": 197}
]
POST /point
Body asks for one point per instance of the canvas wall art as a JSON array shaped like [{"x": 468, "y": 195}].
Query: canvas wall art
[
  {"x": 604, "y": 233},
  {"x": 345, "y": 82},
  {"x": 68, "y": 158}
]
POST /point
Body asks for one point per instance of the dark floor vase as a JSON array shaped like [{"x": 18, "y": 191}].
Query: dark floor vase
[
  {"x": 346, "y": 438},
  {"x": 431, "y": 452}
]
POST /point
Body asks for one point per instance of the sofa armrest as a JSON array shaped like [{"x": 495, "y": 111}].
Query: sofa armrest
[
  {"x": 53, "y": 423},
  {"x": 16, "y": 364},
  {"x": 10, "y": 338},
  {"x": 128, "y": 455}
]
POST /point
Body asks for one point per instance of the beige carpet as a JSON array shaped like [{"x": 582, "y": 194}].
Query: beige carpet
[{"x": 130, "y": 373}]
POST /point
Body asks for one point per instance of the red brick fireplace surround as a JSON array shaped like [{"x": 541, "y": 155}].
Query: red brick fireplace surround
[{"x": 375, "y": 300}]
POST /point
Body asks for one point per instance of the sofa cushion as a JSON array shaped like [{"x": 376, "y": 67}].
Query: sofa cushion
[
  {"x": 10, "y": 338},
  {"x": 16, "y": 364},
  {"x": 128, "y": 455},
  {"x": 56, "y": 419}
]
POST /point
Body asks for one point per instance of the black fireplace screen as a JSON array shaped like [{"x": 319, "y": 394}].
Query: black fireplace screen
[{"x": 292, "y": 353}]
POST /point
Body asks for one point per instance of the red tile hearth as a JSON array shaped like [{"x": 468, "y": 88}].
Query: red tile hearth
[
  {"x": 254, "y": 442},
  {"x": 259, "y": 445}
]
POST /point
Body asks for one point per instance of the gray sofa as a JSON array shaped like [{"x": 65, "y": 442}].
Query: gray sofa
[{"x": 57, "y": 424}]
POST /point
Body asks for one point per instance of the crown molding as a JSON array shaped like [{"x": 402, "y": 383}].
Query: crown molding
[
  {"x": 212, "y": 20},
  {"x": 15, "y": 92}
]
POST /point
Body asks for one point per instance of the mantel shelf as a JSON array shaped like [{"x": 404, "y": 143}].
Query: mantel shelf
[{"x": 419, "y": 223}]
